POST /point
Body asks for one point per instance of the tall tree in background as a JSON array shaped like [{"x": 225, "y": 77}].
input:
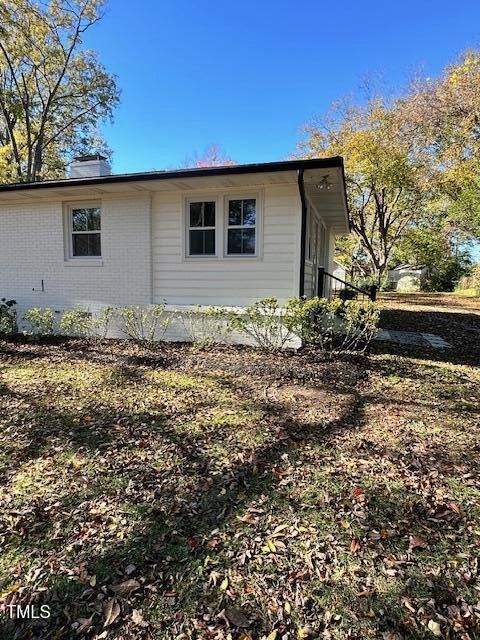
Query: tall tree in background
[
  {"x": 445, "y": 114},
  {"x": 213, "y": 156},
  {"x": 387, "y": 175},
  {"x": 53, "y": 93}
]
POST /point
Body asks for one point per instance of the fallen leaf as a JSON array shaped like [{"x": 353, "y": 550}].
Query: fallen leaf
[
  {"x": 137, "y": 619},
  {"x": 84, "y": 624},
  {"x": 236, "y": 617},
  {"x": 271, "y": 546},
  {"x": 224, "y": 585},
  {"x": 247, "y": 519},
  {"x": 124, "y": 589},
  {"x": 418, "y": 541},
  {"x": 130, "y": 568},
  {"x": 434, "y": 627},
  {"x": 273, "y": 635},
  {"x": 354, "y": 545},
  {"x": 214, "y": 578},
  {"x": 111, "y": 611}
]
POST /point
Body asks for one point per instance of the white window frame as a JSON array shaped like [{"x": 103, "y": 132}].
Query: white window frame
[
  {"x": 188, "y": 228},
  {"x": 69, "y": 230},
  {"x": 258, "y": 221}
]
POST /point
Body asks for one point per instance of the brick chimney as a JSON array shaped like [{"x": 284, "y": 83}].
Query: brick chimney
[{"x": 90, "y": 166}]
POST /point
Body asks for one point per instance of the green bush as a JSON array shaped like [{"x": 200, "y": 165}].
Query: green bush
[
  {"x": 334, "y": 326},
  {"x": 8, "y": 317},
  {"x": 103, "y": 321},
  {"x": 360, "y": 324},
  {"x": 316, "y": 320},
  {"x": 264, "y": 323},
  {"x": 41, "y": 321},
  {"x": 206, "y": 326},
  {"x": 77, "y": 322},
  {"x": 144, "y": 324}
]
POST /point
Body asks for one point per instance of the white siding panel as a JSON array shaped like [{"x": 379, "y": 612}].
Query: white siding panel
[{"x": 226, "y": 281}]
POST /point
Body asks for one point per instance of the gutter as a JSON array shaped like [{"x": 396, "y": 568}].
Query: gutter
[
  {"x": 303, "y": 233},
  {"x": 342, "y": 168},
  {"x": 239, "y": 169}
]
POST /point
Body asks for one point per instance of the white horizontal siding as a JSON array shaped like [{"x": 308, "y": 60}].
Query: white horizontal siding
[{"x": 226, "y": 281}]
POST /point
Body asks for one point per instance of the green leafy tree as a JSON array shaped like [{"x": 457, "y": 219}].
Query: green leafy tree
[
  {"x": 54, "y": 93},
  {"x": 387, "y": 175},
  {"x": 444, "y": 112},
  {"x": 438, "y": 248}
]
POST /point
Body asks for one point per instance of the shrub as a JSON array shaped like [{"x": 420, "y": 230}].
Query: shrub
[
  {"x": 8, "y": 317},
  {"x": 145, "y": 324},
  {"x": 333, "y": 325},
  {"x": 264, "y": 323},
  {"x": 41, "y": 321},
  {"x": 315, "y": 320},
  {"x": 360, "y": 324},
  {"x": 206, "y": 325},
  {"x": 77, "y": 322},
  {"x": 103, "y": 321}
]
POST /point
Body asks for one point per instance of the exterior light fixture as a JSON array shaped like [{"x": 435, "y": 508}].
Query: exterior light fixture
[{"x": 324, "y": 184}]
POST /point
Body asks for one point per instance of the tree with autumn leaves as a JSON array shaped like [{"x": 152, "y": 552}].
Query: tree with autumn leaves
[
  {"x": 411, "y": 162},
  {"x": 54, "y": 93}
]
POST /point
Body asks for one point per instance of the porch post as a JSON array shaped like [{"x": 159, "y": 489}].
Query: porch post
[{"x": 320, "y": 281}]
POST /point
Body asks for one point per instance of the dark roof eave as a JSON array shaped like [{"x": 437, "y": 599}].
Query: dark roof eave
[{"x": 265, "y": 167}]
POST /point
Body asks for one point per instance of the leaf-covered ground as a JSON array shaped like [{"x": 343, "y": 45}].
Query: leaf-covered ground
[{"x": 172, "y": 493}]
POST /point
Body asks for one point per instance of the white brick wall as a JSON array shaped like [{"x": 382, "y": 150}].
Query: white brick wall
[{"x": 32, "y": 248}]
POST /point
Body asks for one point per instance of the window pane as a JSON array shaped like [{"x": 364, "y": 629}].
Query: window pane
[
  {"x": 196, "y": 214},
  {"x": 209, "y": 214},
  {"x": 248, "y": 240},
  {"x": 202, "y": 242},
  {"x": 241, "y": 241},
  {"x": 249, "y": 211},
  {"x": 202, "y": 214},
  {"x": 80, "y": 245},
  {"x": 79, "y": 219},
  {"x": 94, "y": 244},
  {"x": 93, "y": 219},
  {"x": 235, "y": 212},
  {"x": 234, "y": 241},
  {"x": 196, "y": 243},
  {"x": 209, "y": 237},
  {"x": 86, "y": 245}
]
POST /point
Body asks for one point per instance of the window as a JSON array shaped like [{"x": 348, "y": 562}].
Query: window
[
  {"x": 241, "y": 226},
  {"x": 201, "y": 228},
  {"x": 85, "y": 224}
]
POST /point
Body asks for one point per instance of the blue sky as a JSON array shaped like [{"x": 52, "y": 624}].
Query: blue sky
[{"x": 248, "y": 74}]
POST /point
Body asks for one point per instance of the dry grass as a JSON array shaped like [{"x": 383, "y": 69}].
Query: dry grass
[{"x": 172, "y": 493}]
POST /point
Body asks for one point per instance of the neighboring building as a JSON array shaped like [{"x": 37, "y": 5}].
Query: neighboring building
[
  {"x": 407, "y": 274},
  {"x": 210, "y": 236},
  {"x": 340, "y": 272}
]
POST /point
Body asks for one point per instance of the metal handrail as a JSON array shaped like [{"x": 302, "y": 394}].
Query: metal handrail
[{"x": 371, "y": 292}]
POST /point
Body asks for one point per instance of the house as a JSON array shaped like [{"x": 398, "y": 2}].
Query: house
[
  {"x": 210, "y": 236},
  {"x": 339, "y": 272},
  {"x": 407, "y": 275}
]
